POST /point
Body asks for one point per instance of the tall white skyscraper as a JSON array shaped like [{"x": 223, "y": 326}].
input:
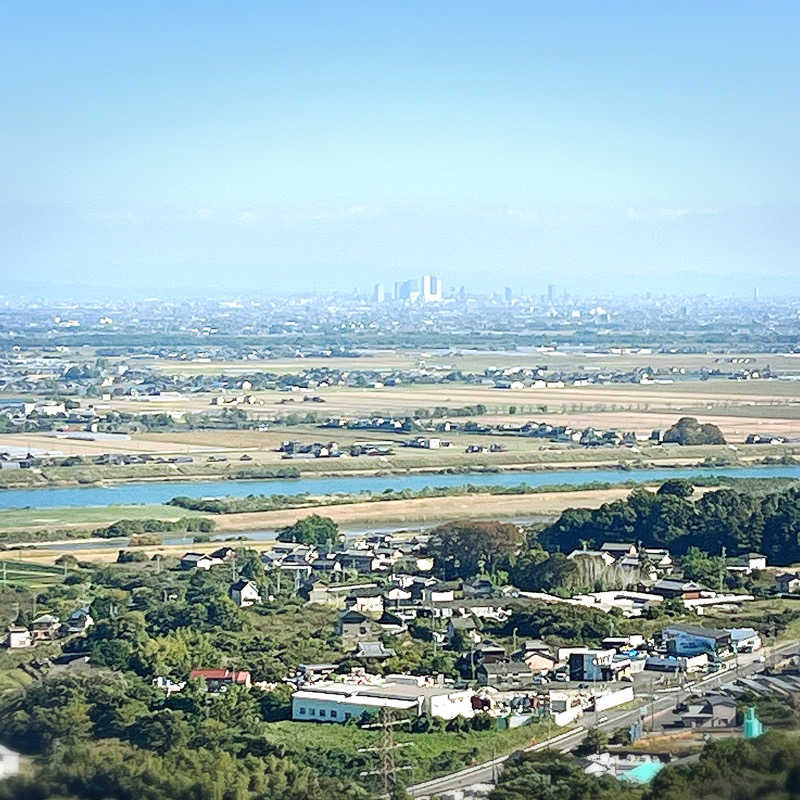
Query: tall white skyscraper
[{"x": 431, "y": 289}]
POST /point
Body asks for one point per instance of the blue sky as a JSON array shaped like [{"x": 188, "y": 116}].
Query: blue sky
[{"x": 300, "y": 146}]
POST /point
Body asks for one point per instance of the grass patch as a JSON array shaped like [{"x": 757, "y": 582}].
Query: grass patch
[
  {"x": 13, "y": 679},
  {"x": 28, "y": 574},
  {"x": 333, "y": 746},
  {"x": 85, "y": 516}
]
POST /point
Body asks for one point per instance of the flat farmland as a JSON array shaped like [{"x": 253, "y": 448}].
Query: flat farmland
[
  {"x": 470, "y": 360},
  {"x": 722, "y": 397}
]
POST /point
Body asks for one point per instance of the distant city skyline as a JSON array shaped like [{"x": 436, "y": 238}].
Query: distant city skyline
[{"x": 308, "y": 148}]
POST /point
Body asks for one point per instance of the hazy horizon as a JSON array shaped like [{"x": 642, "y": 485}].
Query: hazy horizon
[{"x": 312, "y": 148}]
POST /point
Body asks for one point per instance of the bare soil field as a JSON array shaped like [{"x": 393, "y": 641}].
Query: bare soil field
[{"x": 429, "y": 509}]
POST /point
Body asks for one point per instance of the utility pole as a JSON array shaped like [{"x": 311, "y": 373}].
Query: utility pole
[
  {"x": 652, "y": 705},
  {"x": 385, "y": 749}
]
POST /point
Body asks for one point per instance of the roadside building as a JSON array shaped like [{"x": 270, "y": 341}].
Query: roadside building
[
  {"x": 711, "y": 711},
  {"x": 504, "y": 675},
  {"x": 690, "y": 640},
  {"x": 745, "y": 640},
  {"x": 598, "y": 665},
  {"x": 339, "y": 702}
]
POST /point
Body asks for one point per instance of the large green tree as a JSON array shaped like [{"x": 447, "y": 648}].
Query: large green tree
[{"x": 465, "y": 548}]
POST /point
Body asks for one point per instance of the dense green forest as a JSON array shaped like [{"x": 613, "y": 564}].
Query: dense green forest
[{"x": 738, "y": 521}]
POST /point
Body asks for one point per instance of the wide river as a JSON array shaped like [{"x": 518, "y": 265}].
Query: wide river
[{"x": 158, "y": 492}]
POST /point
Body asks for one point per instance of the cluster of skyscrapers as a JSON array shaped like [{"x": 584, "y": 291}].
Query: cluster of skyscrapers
[{"x": 427, "y": 290}]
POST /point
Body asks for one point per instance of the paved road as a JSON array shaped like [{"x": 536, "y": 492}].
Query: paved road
[{"x": 663, "y": 703}]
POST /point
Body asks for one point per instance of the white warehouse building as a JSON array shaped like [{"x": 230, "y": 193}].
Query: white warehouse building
[{"x": 330, "y": 701}]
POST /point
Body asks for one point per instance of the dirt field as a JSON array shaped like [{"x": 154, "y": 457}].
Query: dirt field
[{"x": 433, "y": 509}]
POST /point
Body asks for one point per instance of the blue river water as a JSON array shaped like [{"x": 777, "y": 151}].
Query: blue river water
[{"x": 158, "y": 492}]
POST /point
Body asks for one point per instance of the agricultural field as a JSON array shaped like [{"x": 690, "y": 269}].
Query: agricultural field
[{"x": 30, "y": 574}]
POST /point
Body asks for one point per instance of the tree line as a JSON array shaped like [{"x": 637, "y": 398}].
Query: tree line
[{"x": 739, "y": 522}]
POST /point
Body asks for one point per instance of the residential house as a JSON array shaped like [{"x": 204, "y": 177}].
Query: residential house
[
  {"x": 79, "y": 621},
  {"x": 538, "y": 658},
  {"x": 679, "y": 587},
  {"x": 244, "y": 593},
  {"x": 462, "y": 630},
  {"x": 659, "y": 557},
  {"x": 788, "y": 582},
  {"x": 391, "y": 623},
  {"x": 199, "y": 561},
  {"x": 478, "y": 588},
  {"x": 327, "y": 563},
  {"x": 504, "y": 674},
  {"x": 373, "y": 652},
  {"x": 437, "y": 593},
  {"x": 296, "y": 564},
  {"x": 45, "y": 628},
  {"x": 748, "y": 563},
  {"x": 361, "y": 561},
  {"x": 395, "y": 596},
  {"x": 224, "y": 554},
  {"x": 745, "y": 640},
  {"x": 352, "y": 623},
  {"x": 218, "y": 680},
  {"x": 618, "y": 550},
  {"x": 487, "y": 652},
  {"x": 711, "y": 711},
  {"x": 367, "y": 601},
  {"x": 18, "y": 637}
]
